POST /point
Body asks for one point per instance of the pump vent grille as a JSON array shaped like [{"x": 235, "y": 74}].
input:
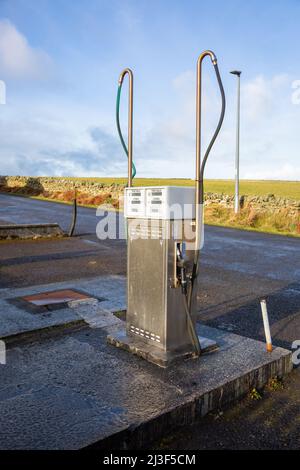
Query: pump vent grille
[{"x": 144, "y": 333}]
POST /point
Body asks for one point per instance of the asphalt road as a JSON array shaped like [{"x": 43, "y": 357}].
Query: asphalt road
[
  {"x": 21, "y": 210},
  {"x": 237, "y": 269}
]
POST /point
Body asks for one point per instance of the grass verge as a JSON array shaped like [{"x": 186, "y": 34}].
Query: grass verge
[{"x": 281, "y": 222}]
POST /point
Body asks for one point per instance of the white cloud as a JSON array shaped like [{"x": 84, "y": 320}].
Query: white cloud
[
  {"x": 270, "y": 129},
  {"x": 17, "y": 58},
  {"x": 260, "y": 96},
  {"x": 57, "y": 140},
  {"x": 284, "y": 171}
]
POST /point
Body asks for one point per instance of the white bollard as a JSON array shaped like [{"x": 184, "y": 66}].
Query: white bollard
[{"x": 264, "y": 312}]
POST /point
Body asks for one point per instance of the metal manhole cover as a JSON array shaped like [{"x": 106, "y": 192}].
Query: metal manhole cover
[
  {"x": 54, "y": 300},
  {"x": 56, "y": 297}
]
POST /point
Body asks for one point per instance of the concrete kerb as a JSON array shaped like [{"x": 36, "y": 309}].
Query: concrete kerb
[{"x": 30, "y": 231}]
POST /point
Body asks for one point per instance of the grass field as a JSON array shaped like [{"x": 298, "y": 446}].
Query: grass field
[{"x": 285, "y": 189}]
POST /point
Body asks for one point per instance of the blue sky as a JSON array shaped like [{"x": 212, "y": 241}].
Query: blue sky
[{"x": 60, "y": 60}]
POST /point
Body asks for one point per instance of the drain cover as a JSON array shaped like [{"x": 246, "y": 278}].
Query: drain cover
[{"x": 56, "y": 297}]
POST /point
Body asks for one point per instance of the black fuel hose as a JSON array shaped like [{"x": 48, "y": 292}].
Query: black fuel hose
[
  {"x": 74, "y": 215},
  {"x": 213, "y": 139}
]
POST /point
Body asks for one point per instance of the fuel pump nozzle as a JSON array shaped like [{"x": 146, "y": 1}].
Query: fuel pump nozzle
[{"x": 182, "y": 268}]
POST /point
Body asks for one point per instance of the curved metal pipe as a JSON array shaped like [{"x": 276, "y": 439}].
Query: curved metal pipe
[
  {"x": 200, "y": 167},
  {"x": 128, "y": 72}
]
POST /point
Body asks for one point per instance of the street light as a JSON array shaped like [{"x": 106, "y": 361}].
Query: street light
[{"x": 237, "y": 149}]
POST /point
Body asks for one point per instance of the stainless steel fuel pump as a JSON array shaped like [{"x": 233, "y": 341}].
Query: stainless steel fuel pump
[{"x": 164, "y": 236}]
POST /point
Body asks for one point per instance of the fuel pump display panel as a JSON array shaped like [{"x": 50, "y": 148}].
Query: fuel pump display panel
[
  {"x": 160, "y": 202},
  {"x": 135, "y": 202}
]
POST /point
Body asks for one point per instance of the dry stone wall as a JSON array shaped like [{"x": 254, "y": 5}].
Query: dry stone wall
[{"x": 47, "y": 186}]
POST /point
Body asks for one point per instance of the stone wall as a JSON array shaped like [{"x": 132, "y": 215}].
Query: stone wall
[
  {"x": 50, "y": 185},
  {"x": 46, "y": 184},
  {"x": 268, "y": 203}
]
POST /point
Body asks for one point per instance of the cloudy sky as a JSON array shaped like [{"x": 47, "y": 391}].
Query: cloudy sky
[{"x": 60, "y": 61}]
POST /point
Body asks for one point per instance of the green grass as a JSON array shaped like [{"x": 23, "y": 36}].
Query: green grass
[
  {"x": 285, "y": 189},
  {"x": 281, "y": 223}
]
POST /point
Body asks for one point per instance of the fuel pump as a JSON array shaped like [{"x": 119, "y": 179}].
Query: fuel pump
[{"x": 164, "y": 236}]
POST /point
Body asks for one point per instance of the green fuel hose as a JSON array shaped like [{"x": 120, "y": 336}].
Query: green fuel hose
[{"x": 119, "y": 127}]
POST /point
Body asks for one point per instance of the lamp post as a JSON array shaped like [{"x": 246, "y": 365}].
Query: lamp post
[{"x": 237, "y": 149}]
